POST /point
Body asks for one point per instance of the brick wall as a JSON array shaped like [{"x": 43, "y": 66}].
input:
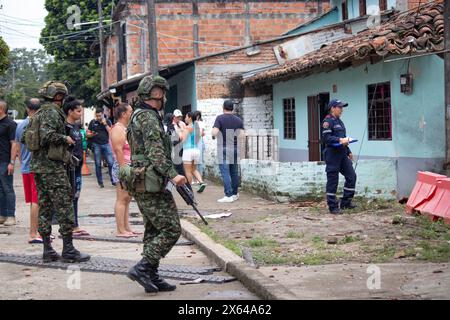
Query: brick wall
[
  {"x": 414, "y": 3},
  {"x": 221, "y": 25}
]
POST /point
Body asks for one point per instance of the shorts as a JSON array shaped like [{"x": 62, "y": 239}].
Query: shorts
[
  {"x": 190, "y": 155},
  {"x": 115, "y": 172},
  {"x": 29, "y": 187}
]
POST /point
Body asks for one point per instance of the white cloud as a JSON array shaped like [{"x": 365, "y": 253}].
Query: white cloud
[{"x": 21, "y": 22}]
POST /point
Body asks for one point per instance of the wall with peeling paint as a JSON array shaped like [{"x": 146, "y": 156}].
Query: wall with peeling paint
[{"x": 307, "y": 180}]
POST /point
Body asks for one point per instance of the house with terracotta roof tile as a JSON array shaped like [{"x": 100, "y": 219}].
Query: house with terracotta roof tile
[{"x": 391, "y": 73}]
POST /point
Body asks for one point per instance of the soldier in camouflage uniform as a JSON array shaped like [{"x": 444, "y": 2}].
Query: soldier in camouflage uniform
[
  {"x": 52, "y": 182},
  {"x": 151, "y": 146}
]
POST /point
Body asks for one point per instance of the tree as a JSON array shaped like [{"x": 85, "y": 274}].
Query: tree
[
  {"x": 4, "y": 52},
  {"x": 75, "y": 52},
  {"x": 25, "y": 76}
]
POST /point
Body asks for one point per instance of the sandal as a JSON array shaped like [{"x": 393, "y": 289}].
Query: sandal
[
  {"x": 126, "y": 236},
  {"x": 81, "y": 233}
]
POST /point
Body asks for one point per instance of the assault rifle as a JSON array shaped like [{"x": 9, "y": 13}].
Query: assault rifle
[{"x": 188, "y": 197}]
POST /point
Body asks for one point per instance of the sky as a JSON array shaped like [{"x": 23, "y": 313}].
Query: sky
[{"x": 21, "y": 22}]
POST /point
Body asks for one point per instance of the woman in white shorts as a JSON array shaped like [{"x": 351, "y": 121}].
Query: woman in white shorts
[{"x": 191, "y": 151}]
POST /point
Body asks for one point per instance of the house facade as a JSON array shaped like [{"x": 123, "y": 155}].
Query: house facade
[{"x": 392, "y": 77}]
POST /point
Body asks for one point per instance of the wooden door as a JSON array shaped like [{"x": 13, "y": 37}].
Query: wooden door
[{"x": 313, "y": 129}]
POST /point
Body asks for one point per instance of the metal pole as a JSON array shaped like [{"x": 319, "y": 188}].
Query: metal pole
[
  {"x": 153, "y": 39},
  {"x": 447, "y": 83},
  {"x": 102, "y": 45}
]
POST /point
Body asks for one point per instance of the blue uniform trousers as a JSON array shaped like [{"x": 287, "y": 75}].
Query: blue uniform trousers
[{"x": 337, "y": 161}]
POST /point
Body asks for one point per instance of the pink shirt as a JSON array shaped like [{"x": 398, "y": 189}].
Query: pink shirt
[{"x": 126, "y": 148}]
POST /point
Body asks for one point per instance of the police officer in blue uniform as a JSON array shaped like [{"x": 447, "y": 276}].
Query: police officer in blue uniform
[{"x": 338, "y": 158}]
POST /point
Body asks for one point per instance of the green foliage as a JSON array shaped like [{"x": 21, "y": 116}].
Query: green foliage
[
  {"x": 16, "y": 101},
  {"x": 4, "y": 53},
  {"x": 75, "y": 52},
  {"x": 25, "y": 76},
  {"x": 83, "y": 79}
]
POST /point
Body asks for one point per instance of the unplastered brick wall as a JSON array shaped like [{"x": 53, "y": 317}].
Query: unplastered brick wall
[
  {"x": 415, "y": 3},
  {"x": 190, "y": 28},
  {"x": 285, "y": 181},
  {"x": 111, "y": 60}
]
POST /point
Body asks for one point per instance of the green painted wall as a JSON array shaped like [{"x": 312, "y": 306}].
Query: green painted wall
[
  {"x": 417, "y": 119},
  {"x": 353, "y": 6},
  {"x": 185, "y": 90}
]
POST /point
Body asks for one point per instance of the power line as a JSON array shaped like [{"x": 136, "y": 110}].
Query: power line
[{"x": 184, "y": 39}]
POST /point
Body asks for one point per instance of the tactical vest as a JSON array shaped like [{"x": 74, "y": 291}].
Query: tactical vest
[{"x": 141, "y": 177}]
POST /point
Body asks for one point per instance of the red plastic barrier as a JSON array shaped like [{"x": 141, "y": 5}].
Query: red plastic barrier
[
  {"x": 439, "y": 204},
  {"x": 423, "y": 190}
]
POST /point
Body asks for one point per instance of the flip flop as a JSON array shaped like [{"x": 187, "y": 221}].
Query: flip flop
[
  {"x": 35, "y": 240},
  {"x": 130, "y": 236},
  {"x": 81, "y": 233}
]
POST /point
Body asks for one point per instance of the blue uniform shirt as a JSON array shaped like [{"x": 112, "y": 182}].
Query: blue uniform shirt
[{"x": 332, "y": 130}]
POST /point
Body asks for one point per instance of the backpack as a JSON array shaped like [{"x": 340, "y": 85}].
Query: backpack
[{"x": 31, "y": 138}]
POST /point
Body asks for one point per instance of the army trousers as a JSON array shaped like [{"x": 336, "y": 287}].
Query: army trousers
[
  {"x": 55, "y": 196},
  {"x": 161, "y": 222}
]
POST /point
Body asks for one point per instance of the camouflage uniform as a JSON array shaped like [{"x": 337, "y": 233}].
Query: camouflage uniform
[
  {"x": 161, "y": 220},
  {"x": 52, "y": 183}
]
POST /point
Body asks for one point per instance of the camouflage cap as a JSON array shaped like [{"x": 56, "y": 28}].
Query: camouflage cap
[
  {"x": 51, "y": 88},
  {"x": 148, "y": 83}
]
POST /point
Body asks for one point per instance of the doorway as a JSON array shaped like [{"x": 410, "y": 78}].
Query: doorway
[{"x": 316, "y": 114}]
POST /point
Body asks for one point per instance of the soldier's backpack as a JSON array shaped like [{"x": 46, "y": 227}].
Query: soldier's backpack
[{"x": 30, "y": 137}]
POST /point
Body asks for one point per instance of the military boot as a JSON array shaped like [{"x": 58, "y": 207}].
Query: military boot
[
  {"x": 70, "y": 254},
  {"x": 49, "y": 254},
  {"x": 158, "y": 281},
  {"x": 349, "y": 205},
  {"x": 141, "y": 273}
]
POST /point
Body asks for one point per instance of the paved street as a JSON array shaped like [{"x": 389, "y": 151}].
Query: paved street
[{"x": 25, "y": 282}]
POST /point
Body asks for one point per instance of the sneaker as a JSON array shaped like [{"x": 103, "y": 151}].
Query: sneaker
[
  {"x": 101, "y": 185},
  {"x": 2, "y": 219},
  {"x": 226, "y": 199},
  {"x": 236, "y": 197},
  {"x": 10, "y": 221},
  {"x": 201, "y": 188}
]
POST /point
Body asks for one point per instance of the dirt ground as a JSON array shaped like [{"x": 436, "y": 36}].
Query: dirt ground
[{"x": 303, "y": 233}]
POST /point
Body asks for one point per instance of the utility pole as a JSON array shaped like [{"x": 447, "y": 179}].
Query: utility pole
[
  {"x": 102, "y": 45},
  {"x": 13, "y": 77},
  {"x": 447, "y": 83},
  {"x": 152, "y": 37}
]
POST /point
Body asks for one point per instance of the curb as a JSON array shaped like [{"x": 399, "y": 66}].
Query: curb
[{"x": 231, "y": 263}]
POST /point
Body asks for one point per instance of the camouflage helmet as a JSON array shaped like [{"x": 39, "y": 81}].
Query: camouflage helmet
[
  {"x": 51, "y": 88},
  {"x": 148, "y": 83}
]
